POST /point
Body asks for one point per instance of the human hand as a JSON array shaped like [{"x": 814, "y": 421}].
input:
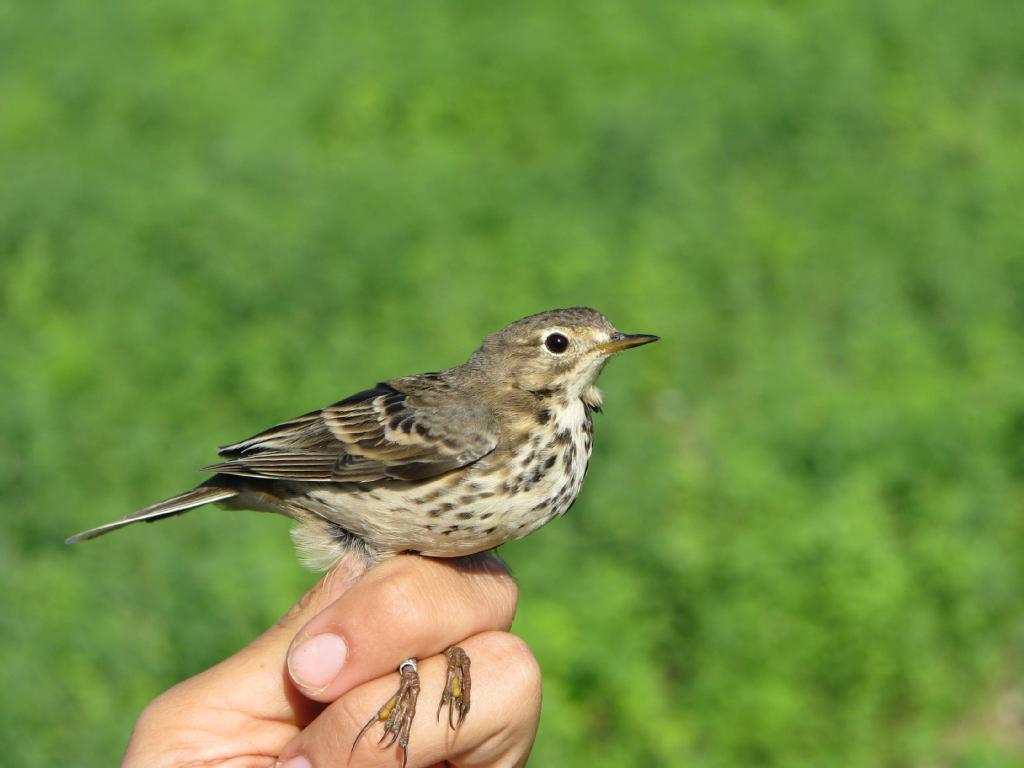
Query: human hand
[{"x": 281, "y": 700}]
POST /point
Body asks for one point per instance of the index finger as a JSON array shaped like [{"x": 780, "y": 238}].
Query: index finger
[{"x": 406, "y": 607}]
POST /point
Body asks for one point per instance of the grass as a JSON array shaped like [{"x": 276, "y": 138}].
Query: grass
[{"x": 800, "y": 541}]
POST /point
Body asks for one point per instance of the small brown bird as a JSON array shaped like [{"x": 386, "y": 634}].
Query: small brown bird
[{"x": 443, "y": 464}]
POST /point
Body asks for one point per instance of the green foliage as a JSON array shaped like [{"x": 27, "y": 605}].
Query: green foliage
[{"x": 800, "y": 543}]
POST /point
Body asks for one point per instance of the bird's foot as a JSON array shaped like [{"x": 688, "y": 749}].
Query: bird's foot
[
  {"x": 456, "y": 688},
  {"x": 398, "y": 712}
]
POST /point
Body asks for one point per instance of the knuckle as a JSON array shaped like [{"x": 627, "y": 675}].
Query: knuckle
[
  {"x": 293, "y": 613},
  {"x": 491, "y": 587},
  {"x": 523, "y": 671},
  {"x": 502, "y": 594},
  {"x": 510, "y": 592}
]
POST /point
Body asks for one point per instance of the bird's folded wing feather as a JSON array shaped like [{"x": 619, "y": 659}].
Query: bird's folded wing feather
[{"x": 405, "y": 429}]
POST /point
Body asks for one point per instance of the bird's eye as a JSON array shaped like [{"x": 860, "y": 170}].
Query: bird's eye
[{"x": 556, "y": 342}]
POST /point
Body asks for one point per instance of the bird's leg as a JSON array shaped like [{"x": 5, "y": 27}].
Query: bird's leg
[
  {"x": 397, "y": 712},
  {"x": 456, "y": 688}
]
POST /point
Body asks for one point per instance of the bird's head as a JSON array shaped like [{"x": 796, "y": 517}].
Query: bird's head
[{"x": 561, "y": 350}]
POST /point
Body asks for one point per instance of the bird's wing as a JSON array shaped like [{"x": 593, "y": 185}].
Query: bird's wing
[{"x": 405, "y": 429}]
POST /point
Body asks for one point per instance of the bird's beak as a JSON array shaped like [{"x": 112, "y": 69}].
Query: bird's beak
[{"x": 621, "y": 341}]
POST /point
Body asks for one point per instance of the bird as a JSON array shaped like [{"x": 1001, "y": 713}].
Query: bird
[{"x": 443, "y": 464}]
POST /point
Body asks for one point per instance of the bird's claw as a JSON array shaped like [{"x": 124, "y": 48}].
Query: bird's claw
[
  {"x": 456, "y": 688},
  {"x": 397, "y": 713}
]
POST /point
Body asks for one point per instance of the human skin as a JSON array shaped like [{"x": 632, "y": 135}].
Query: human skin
[{"x": 282, "y": 699}]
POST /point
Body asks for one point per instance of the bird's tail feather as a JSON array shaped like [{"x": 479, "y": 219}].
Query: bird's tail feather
[{"x": 204, "y": 494}]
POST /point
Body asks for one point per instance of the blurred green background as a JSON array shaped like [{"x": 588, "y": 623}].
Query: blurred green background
[{"x": 801, "y": 540}]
